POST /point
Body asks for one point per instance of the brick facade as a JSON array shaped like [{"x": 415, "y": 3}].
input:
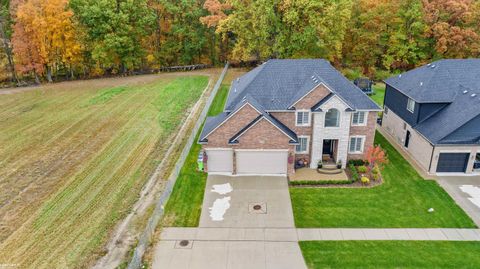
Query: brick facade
[
  {"x": 264, "y": 135},
  {"x": 219, "y": 137},
  {"x": 368, "y": 131}
]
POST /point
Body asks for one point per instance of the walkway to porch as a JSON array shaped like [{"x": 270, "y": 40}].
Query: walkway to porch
[{"x": 313, "y": 175}]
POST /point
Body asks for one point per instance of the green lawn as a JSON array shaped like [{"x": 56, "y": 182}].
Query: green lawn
[
  {"x": 401, "y": 201},
  {"x": 379, "y": 90},
  {"x": 185, "y": 203},
  {"x": 391, "y": 254}
]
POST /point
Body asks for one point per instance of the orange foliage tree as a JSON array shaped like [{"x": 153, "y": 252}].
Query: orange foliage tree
[
  {"x": 452, "y": 26},
  {"x": 376, "y": 156},
  {"x": 44, "y": 37}
]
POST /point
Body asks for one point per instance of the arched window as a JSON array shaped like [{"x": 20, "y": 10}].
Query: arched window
[{"x": 332, "y": 118}]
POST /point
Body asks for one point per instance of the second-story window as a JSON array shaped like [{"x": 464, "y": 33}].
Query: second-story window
[
  {"x": 332, "y": 118},
  {"x": 303, "y": 118},
  {"x": 358, "y": 118},
  {"x": 411, "y": 105}
]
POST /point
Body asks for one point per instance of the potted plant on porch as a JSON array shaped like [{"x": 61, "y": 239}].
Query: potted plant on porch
[{"x": 339, "y": 164}]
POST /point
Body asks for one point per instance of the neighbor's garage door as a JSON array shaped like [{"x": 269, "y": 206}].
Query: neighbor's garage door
[
  {"x": 261, "y": 162},
  {"x": 452, "y": 162},
  {"x": 220, "y": 160}
]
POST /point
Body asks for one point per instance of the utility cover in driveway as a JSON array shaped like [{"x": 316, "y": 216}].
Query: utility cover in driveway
[{"x": 452, "y": 162}]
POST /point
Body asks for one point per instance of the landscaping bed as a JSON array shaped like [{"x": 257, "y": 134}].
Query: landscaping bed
[
  {"x": 391, "y": 254},
  {"x": 402, "y": 201}
]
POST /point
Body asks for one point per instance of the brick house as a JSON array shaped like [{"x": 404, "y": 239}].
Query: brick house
[
  {"x": 284, "y": 111},
  {"x": 433, "y": 112}
]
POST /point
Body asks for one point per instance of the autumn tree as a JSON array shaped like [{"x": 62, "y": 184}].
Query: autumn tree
[
  {"x": 44, "y": 37},
  {"x": 314, "y": 29},
  {"x": 452, "y": 26},
  {"x": 376, "y": 157},
  {"x": 115, "y": 31},
  {"x": 253, "y": 25},
  {"x": 216, "y": 13},
  {"x": 408, "y": 45},
  {"x": 5, "y": 37}
]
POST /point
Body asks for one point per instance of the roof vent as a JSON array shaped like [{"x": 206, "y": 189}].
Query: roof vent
[
  {"x": 473, "y": 95},
  {"x": 433, "y": 66},
  {"x": 235, "y": 90},
  {"x": 400, "y": 75},
  {"x": 428, "y": 64},
  {"x": 465, "y": 92},
  {"x": 421, "y": 83},
  {"x": 312, "y": 76}
]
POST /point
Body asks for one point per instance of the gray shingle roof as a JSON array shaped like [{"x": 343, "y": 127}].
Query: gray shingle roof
[
  {"x": 453, "y": 116},
  {"x": 277, "y": 84},
  {"x": 452, "y": 81},
  {"x": 438, "y": 82}
]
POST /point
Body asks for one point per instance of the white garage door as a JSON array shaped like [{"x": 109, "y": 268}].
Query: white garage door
[
  {"x": 261, "y": 162},
  {"x": 220, "y": 160}
]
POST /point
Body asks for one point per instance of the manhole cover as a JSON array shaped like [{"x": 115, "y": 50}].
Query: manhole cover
[
  {"x": 184, "y": 243},
  {"x": 257, "y": 208}
]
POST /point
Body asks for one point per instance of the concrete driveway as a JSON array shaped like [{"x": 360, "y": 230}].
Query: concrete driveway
[
  {"x": 246, "y": 222},
  {"x": 465, "y": 190},
  {"x": 252, "y": 201}
]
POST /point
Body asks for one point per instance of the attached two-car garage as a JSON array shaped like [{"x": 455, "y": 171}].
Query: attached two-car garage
[{"x": 247, "y": 161}]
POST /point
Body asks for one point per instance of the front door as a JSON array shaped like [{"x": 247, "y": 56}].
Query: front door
[
  {"x": 407, "y": 139},
  {"x": 327, "y": 147}
]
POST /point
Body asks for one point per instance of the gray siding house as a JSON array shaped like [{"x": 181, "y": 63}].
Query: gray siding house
[{"x": 434, "y": 113}]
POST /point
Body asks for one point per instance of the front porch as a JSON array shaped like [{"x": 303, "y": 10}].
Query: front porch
[{"x": 308, "y": 174}]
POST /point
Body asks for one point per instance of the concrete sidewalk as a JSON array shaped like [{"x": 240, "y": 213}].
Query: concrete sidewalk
[{"x": 307, "y": 234}]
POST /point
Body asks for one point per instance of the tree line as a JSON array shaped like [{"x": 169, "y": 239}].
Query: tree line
[{"x": 44, "y": 40}]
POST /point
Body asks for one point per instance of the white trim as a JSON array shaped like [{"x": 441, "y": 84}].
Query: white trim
[
  {"x": 362, "y": 147},
  {"x": 218, "y": 149},
  {"x": 365, "y": 118},
  {"x": 408, "y": 105},
  {"x": 309, "y": 118},
  {"x": 229, "y": 116},
  {"x": 263, "y": 118},
  {"x": 286, "y": 110},
  {"x": 307, "y": 145},
  {"x": 265, "y": 150}
]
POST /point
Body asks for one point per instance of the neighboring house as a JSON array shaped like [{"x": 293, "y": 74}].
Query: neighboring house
[
  {"x": 434, "y": 113},
  {"x": 286, "y": 110}
]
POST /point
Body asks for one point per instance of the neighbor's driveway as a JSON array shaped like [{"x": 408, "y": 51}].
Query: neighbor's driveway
[
  {"x": 270, "y": 192},
  {"x": 465, "y": 190}
]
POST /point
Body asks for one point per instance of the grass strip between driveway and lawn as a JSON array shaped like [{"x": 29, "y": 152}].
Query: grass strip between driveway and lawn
[
  {"x": 184, "y": 206},
  {"x": 402, "y": 201},
  {"x": 391, "y": 254}
]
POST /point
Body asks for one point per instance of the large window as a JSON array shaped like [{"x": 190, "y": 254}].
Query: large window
[
  {"x": 358, "y": 118},
  {"x": 332, "y": 118},
  {"x": 356, "y": 144},
  {"x": 411, "y": 105},
  {"x": 303, "y": 118},
  {"x": 302, "y": 146}
]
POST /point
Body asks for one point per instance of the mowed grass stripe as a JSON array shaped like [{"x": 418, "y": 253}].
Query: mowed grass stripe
[
  {"x": 76, "y": 221},
  {"x": 53, "y": 150}
]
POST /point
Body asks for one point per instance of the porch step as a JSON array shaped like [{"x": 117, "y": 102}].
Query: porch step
[
  {"x": 329, "y": 171},
  {"x": 329, "y": 167}
]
